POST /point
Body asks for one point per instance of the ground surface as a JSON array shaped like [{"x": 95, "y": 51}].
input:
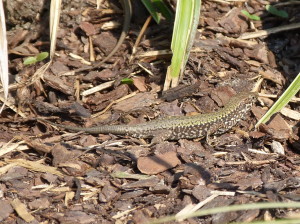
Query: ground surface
[{"x": 61, "y": 177}]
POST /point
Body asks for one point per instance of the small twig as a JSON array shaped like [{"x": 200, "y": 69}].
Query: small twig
[
  {"x": 112, "y": 103},
  {"x": 269, "y": 31},
  {"x": 138, "y": 40},
  {"x": 97, "y": 88},
  {"x": 259, "y": 162}
]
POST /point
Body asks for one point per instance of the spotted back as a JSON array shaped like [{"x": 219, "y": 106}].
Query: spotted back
[{"x": 196, "y": 126}]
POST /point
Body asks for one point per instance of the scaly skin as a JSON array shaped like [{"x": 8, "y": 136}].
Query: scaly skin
[{"x": 180, "y": 127}]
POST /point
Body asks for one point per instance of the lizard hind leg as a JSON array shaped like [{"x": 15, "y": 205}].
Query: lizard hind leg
[
  {"x": 160, "y": 136},
  {"x": 210, "y": 132}
]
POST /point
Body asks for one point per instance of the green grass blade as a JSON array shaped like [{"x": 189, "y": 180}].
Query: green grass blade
[
  {"x": 231, "y": 208},
  {"x": 164, "y": 10},
  {"x": 185, "y": 27},
  {"x": 291, "y": 91},
  {"x": 151, "y": 9},
  {"x": 281, "y": 221}
]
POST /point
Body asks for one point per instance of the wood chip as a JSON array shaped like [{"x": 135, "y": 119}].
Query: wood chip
[
  {"x": 158, "y": 163},
  {"x": 295, "y": 115},
  {"x": 21, "y": 209}
]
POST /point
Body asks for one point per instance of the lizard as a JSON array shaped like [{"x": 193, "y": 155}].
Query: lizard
[
  {"x": 127, "y": 8},
  {"x": 180, "y": 127}
]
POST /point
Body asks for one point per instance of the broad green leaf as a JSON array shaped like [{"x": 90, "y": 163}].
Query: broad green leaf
[
  {"x": 41, "y": 56},
  {"x": 29, "y": 61},
  {"x": 127, "y": 81},
  {"x": 253, "y": 17},
  {"x": 273, "y": 10}
]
